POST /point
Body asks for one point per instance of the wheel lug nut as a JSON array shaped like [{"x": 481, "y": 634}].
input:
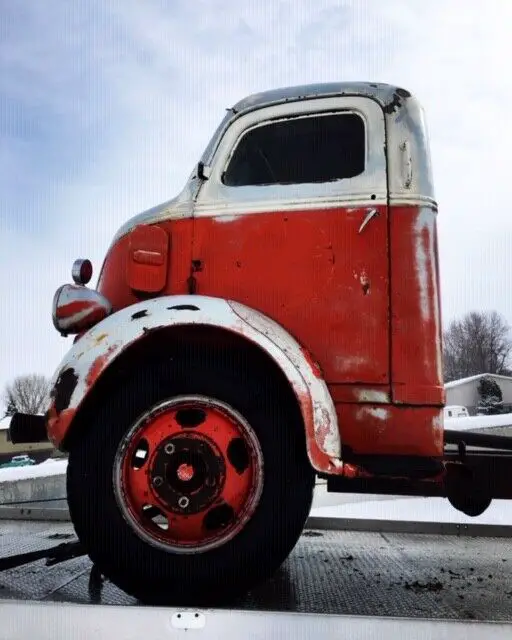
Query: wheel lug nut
[
  {"x": 183, "y": 502},
  {"x": 158, "y": 481},
  {"x": 169, "y": 448}
]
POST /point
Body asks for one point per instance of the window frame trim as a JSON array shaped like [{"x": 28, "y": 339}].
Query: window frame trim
[
  {"x": 305, "y": 116},
  {"x": 371, "y": 186}
]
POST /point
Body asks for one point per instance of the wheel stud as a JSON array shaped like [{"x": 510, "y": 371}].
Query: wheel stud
[
  {"x": 169, "y": 448},
  {"x": 183, "y": 502},
  {"x": 158, "y": 481}
]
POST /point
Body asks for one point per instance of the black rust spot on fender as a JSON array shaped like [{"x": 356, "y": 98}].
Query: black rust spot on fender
[
  {"x": 396, "y": 103},
  {"x": 140, "y": 314},
  {"x": 64, "y": 388},
  {"x": 183, "y": 307}
]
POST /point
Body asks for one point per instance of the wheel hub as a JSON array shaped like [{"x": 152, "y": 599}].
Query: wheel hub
[
  {"x": 189, "y": 474},
  {"x": 192, "y": 468}
]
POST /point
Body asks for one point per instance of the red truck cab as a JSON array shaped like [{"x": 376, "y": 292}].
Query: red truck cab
[{"x": 279, "y": 318}]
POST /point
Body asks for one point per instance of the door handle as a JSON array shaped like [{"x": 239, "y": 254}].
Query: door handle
[{"x": 371, "y": 214}]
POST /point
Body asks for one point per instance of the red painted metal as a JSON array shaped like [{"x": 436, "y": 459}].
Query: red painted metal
[
  {"x": 117, "y": 288},
  {"x": 230, "y": 481},
  {"x": 355, "y": 280},
  {"x": 147, "y": 262},
  {"x": 76, "y": 308},
  {"x": 308, "y": 271},
  {"x": 416, "y": 336},
  {"x": 329, "y": 286}
]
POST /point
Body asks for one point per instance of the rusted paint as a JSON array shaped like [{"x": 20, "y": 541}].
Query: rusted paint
[
  {"x": 391, "y": 429},
  {"x": 251, "y": 324},
  {"x": 183, "y": 307},
  {"x": 99, "y": 365},
  {"x": 323, "y": 426},
  {"x": 315, "y": 367},
  {"x": 365, "y": 282},
  {"x": 63, "y": 389},
  {"x": 416, "y": 324},
  {"x": 293, "y": 280},
  {"x": 300, "y": 260},
  {"x": 140, "y": 314},
  {"x": 57, "y": 426},
  {"x": 395, "y": 104}
]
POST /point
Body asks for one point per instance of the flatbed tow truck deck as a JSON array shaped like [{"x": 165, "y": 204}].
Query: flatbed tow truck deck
[{"x": 337, "y": 583}]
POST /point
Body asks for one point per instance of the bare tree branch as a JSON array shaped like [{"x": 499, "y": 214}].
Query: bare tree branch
[
  {"x": 27, "y": 394},
  {"x": 480, "y": 342}
]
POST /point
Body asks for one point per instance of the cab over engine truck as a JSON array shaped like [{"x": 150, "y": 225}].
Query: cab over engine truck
[{"x": 276, "y": 321}]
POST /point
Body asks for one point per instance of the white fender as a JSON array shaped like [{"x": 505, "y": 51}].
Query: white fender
[{"x": 99, "y": 347}]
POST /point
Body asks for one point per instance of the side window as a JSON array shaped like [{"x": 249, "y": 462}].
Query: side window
[{"x": 299, "y": 150}]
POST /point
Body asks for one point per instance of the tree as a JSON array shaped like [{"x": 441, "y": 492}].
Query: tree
[
  {"x": 479, "y": 342},
  {"x": 27, "y": 394},
  {"x": 10, "y": 409},
  {"x": 491, "y": 397}
]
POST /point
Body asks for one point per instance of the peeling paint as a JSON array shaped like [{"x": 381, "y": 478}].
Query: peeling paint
[
  {"x": 99, "y": 365},
  {"x": 370, "y": 395},
  {"x": 64, "y": 388},
  {"x": 140, "y": 314},
  {"x": 323, "y": 439},
  {"x": 365, "y": 282},
  {"x": 227, "y": 218},
  {"x": 423, "y": 258},
  {"x": 347, "y": 362},
  {"x": 378, "y": 413},
  {"x": 326, "y": 433}
]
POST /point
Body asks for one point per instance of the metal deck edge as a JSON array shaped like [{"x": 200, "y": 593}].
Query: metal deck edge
[
  {"x": 53, "y": 514},
  {"x": 406, "y": 526},
  {"x": 53, "y": 621}
]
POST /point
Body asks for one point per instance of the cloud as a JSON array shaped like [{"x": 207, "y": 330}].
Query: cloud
[{"x": 106, "y": 106}]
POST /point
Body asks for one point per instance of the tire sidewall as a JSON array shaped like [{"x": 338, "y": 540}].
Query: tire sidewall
[{"x": 266, "y": 539}]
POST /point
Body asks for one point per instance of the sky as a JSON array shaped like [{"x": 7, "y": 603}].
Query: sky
[{"x": 105, "y": 106}]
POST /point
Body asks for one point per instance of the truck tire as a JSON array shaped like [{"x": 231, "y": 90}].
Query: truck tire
[{"x": 220, "y": 496}]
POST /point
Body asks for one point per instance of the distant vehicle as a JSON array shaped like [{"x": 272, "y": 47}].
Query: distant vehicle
[
  {"x": 455, "y": 411},
  {"x": 18, "y": 461}
]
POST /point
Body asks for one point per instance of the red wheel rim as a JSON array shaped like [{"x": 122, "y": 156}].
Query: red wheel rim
[{"x": 188, "y": 475}]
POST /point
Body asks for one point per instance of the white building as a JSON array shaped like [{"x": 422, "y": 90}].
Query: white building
[{"x": 464, "y": 392}]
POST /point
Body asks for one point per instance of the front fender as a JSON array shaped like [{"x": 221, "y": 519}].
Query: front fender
[{"x": 99, "y": 347}]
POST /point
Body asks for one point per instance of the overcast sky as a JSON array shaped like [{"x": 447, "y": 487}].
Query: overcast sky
[{"x": 105, "y": 107}]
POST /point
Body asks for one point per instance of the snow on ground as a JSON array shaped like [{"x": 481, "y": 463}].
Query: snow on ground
[
  {"x": 415, "y": 510},
  {"x": 339, "y": 505},
  {"x": 478, "y": 422},
  {"x": 45, "y": 469}
]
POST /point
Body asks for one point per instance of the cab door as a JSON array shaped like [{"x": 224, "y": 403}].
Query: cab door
[{"x": 293, "y": 221}]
